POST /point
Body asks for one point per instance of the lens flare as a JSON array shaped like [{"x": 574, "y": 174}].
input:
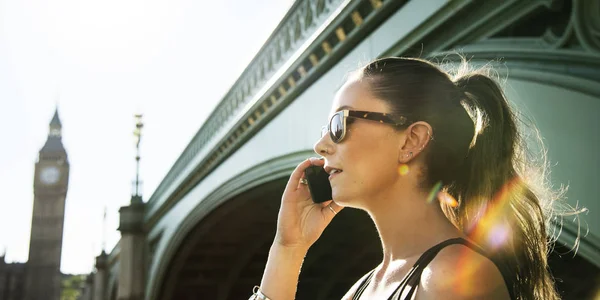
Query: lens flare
[
  {"x": 492, "y": 229},
  {"x": 477, "y": 216},
  {"x": 467, "y": 267},
  {"x": 447, "y": 199},
  {"x": 434, "y": 191},
  {"x": 403, "y": 169},
  {"x": 498, "y": 235},
  {"x": 489, "y": 228}
]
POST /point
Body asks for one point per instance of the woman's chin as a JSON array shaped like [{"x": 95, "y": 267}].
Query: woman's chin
[{"x": 340, "y": 198}]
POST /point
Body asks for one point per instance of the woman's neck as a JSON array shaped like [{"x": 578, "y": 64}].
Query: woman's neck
[{"x": 407, "y": 224}]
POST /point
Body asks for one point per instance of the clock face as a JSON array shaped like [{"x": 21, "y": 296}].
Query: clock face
[{"x": 49, "y": 175}]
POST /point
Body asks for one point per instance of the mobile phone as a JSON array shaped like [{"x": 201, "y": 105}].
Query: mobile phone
[{"x": 318, "y": 184}]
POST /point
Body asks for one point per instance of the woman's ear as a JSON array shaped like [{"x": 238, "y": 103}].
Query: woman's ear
[{"x": 416, "y": 140}]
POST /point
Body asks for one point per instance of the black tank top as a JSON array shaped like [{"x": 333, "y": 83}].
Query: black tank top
[{"x": 409, "y": 284}]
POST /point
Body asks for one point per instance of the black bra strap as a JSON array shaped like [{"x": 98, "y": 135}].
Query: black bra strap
[
  {"x": 412, "y": 280},
  {"x": 409, "y": 283},
  {"x": 414, "y": 272},
  {"x": 363, "y": 285}
]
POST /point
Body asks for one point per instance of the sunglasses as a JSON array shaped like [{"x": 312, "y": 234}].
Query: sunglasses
[{"x": 337, "y": 123}]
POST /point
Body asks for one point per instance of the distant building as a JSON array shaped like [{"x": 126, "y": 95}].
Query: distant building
[
  {"x": 40, "y": 277},
  {"x": 12, "y": 280}
]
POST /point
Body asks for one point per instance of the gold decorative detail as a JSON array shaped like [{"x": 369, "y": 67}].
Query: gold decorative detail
[
  {"x": 314, "y": 60},
  {"x": 380, "y": 121},
  {"x": 302, "y": 71},
  {"x": 265, "y": 106},
  {"x": 376, "y": 4},
  {"x": 281, "y": 90},
  {"x": 341, "y": 34},
  {"x": 357, "y": 18},
  {"x": 257, "y": 114},
  {"x": 273, "y": 99},
  {"x": 365, "y": 115},
  {"x": 250, "y": 121},
  {"x": 291, "y": 82},
  {"x": 326, "y": 47}
]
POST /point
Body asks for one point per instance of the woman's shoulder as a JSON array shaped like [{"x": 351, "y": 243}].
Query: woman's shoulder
[{"x": 459, "y": 272}]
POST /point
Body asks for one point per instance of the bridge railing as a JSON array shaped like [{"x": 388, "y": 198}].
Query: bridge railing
[
  {"x": 297, "y": 26},
  {"x": 312, "y": 37}
]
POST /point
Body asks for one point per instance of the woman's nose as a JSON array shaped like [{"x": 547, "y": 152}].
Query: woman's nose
[{"x": 323, "y": 147}]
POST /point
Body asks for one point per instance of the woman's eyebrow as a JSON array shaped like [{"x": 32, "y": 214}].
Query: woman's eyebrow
[{"x": 344, "y": 107}]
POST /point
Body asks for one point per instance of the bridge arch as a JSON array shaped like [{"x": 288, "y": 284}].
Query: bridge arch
[
  {"x": 552, "y": 74},
  {"x": 220, "y": 248}
]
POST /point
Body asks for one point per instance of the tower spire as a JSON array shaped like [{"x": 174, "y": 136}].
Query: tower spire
[
  {"x": 55, "y": 125},
  {"x": 55, "y": 119},
  {"x": 50, "y": 186},
  {"x": 104, "y": 232},
  {"x": 54, "y": 143},
  {"x": 137, "y": 133}
]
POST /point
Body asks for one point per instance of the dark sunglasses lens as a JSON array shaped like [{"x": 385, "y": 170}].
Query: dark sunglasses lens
[{"x": 336, "y": 128}]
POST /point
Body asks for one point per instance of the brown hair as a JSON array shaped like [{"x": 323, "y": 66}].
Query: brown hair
[{"x": 479, "y": 158}]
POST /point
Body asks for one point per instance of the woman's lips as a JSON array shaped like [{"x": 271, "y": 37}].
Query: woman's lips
[{"x": 334, "y": 175}]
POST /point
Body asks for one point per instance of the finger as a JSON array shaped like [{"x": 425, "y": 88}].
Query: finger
[
  {"x": 301, "y": 183},
  {"x": 298, "y": 173},
  {"x": 330, "y": 208},
  {"x": 303, "y": 188},
  {"x": 336, "y": 206},
  {"x": 317, "y": 161}
]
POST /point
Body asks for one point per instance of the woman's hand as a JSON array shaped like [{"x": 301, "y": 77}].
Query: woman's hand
[
  {"x": 299, "y": 225},
  {"x": 301, "y": 221}
]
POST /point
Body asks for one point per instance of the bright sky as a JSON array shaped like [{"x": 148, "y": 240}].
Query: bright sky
[{"x": 103, "y": 61}]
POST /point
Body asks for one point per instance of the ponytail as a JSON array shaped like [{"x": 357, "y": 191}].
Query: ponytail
[
  {"x": 496, "y": 205},
  {"x": 478, "y": 157}
]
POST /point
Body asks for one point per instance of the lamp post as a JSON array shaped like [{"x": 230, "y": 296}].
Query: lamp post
[
  {"x": 137, "y": 134},
  {"x": 133, "y": 237}
]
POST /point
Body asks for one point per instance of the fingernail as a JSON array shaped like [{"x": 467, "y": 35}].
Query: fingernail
[{"x": 321, "y": 158}]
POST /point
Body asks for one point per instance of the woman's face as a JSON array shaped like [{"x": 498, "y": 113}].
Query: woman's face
[{"x": 368, "y": 154}]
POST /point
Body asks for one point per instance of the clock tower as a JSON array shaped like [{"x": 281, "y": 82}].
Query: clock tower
[{"x": 50, "y": 191}]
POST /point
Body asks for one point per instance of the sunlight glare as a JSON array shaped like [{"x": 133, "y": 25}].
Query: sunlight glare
[
  {"x": 447, "y": 199},
  {"x": 491, "y": 228}
]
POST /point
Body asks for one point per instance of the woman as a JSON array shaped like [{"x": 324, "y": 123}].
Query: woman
[{"x": 438, "y": 164}]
